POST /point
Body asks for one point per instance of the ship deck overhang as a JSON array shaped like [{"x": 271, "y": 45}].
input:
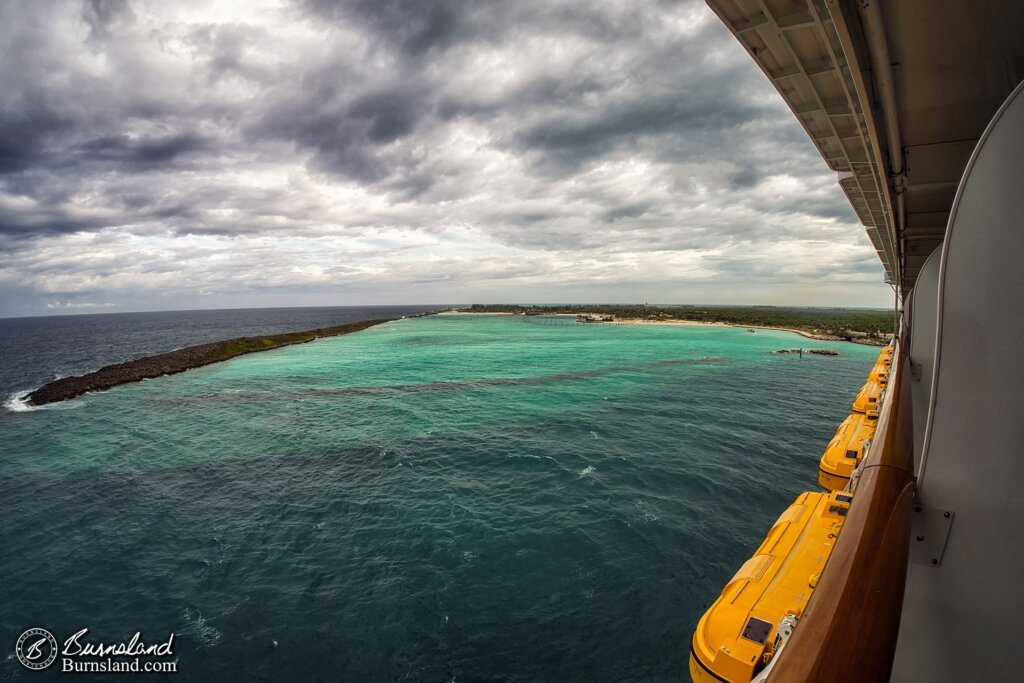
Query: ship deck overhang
[{"x": 894, "y": 95}]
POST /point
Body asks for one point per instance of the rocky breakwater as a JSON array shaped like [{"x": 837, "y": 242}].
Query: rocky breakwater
[
  {"x": 178, "y": 361},
  {"x": 817, "y": 352}
]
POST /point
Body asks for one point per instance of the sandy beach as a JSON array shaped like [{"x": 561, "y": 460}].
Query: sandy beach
[
  {"x": 802, "y": 333},
  {"x": 641, "y": 321},
  {"x": 475, "y": 313}
]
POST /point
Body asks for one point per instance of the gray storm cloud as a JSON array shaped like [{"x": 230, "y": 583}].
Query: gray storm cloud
[{"x": 168, "y": 155}]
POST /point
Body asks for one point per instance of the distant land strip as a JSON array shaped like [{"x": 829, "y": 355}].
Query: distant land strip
[
  {"x": 173, "y": 362},
  {"x": 859, "y": 325}
]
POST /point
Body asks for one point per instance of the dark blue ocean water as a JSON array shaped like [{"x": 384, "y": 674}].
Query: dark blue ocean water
[{"x": 468, "y": 498}]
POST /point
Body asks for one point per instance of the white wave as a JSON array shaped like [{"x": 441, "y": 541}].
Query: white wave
[
  {"x": 645, "y": 513},
  {"x": 589, "y": 469},
  {"x": 17, "y": 403},
  {"x": 206, "y": 634}
]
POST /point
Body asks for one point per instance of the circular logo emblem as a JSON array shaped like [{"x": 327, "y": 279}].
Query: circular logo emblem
[{"x": 36, "y": 649}]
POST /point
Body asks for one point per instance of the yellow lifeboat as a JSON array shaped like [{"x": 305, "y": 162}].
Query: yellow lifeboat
[
  {"x": 845, "y": 451},
  {"x": 868, "y": 400},
  {"x": 738, "y": 635},
  {"x": 879, "y": 374}
]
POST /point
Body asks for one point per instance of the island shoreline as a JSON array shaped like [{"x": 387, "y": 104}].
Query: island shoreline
[
  {"x": 830, "y": 325},
  {"x": 698, "y": 323}
]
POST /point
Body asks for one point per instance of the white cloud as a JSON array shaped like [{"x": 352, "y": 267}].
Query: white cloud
[{"x": 360, "y": 152}]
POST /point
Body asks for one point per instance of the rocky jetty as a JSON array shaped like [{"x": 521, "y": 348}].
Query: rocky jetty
[
  {"x": 817, "y": 352},
  {"x": 178, "y": 361}
]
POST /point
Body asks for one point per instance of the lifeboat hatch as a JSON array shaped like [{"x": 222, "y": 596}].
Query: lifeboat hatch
[{"x": 757, "y": 630}]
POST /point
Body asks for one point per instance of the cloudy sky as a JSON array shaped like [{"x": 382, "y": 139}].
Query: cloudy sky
[{"x": 159, "y": 155}]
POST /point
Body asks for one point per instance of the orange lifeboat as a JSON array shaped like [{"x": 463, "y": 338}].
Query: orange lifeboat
[
  {"x": 868, "y": 400},
  {"x": 740, "y": 633},
  {"x": 845, "y": 451}
]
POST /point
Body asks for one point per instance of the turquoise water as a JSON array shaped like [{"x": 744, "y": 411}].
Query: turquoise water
[{"x": 453, "y": 497}]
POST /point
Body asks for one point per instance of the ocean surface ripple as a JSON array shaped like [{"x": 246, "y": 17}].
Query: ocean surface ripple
[{"x": 469, "y": 498}]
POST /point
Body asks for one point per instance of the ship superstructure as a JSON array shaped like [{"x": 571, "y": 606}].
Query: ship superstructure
[{"x": 916, "y": 106}]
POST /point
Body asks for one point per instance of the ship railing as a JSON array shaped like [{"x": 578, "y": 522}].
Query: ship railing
[{"x": 853, "y": 615}]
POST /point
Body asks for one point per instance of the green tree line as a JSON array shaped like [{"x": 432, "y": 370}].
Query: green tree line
[{"x": 831, "y": 321}]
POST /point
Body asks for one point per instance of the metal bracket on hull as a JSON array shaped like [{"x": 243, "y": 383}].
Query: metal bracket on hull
[
  {"x": 929, "y": 532},
  {"x": 786, "y": 627}
]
